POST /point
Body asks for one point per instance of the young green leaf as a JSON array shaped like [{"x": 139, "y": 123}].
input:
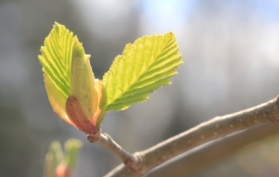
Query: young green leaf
[
  {"x": 59, "y": 163},
  {"x": 72, "y": 147},
  {"x": 72, "y": 89},
  {"x": 143, "y": 67},
  {"x": 56, "y": 57}
]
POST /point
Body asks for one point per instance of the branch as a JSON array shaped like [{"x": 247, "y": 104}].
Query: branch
[
  {"x": 213, "y": 153},
  {"x": 205, "y": 132}
]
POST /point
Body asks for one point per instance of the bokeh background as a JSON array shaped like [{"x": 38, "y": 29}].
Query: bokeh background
[{"x": 231, "y": 54}]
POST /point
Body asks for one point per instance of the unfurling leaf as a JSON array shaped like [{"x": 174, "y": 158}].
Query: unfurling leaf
[
  {"x": 80, "y": 99},
  {"x": 143, "y": 67},
  {"x": 59, "y": 163},
  {"x": 68, "y": 76}
]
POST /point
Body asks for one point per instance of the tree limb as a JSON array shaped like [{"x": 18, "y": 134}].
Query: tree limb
[
  {"x": 211, "y": 154},
  {"x": 213, "y": 129}
]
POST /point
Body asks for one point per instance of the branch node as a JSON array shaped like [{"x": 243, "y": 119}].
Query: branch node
[
  {"x": 93, "y": 137},
  {"x": 135, "y": 162}
]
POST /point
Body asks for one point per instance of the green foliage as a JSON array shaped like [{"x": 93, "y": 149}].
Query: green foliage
[
  {"x": 72, "y": 147},
  {"x": 143, "y": 67},
  {"x": 56, "y": 158},
  {"x": 57, "y": 54}
]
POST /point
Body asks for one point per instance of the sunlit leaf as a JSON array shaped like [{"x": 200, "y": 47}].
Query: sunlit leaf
[
  {"x": 56, "y": 57},
  {"x": 68, "y": 75},
  {"x": 143, "y": 67}
]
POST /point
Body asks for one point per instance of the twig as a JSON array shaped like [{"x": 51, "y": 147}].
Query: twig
[
  {"x": 205, "y": 132},
  {"x": 131, "y": 161}
]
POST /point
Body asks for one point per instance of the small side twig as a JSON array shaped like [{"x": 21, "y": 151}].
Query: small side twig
[
  {"x": 131, "y": 161},
  {"x": 213, "y": 129}
]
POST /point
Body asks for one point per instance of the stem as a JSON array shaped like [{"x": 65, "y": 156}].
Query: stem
[
  {"x": 131, "y": 161},
  {"x": 205, "y": 132},
  {"x": 107, "y": 142}
]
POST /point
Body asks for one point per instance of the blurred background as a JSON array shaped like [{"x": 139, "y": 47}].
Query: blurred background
[{"x": 230, "y": 50}]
